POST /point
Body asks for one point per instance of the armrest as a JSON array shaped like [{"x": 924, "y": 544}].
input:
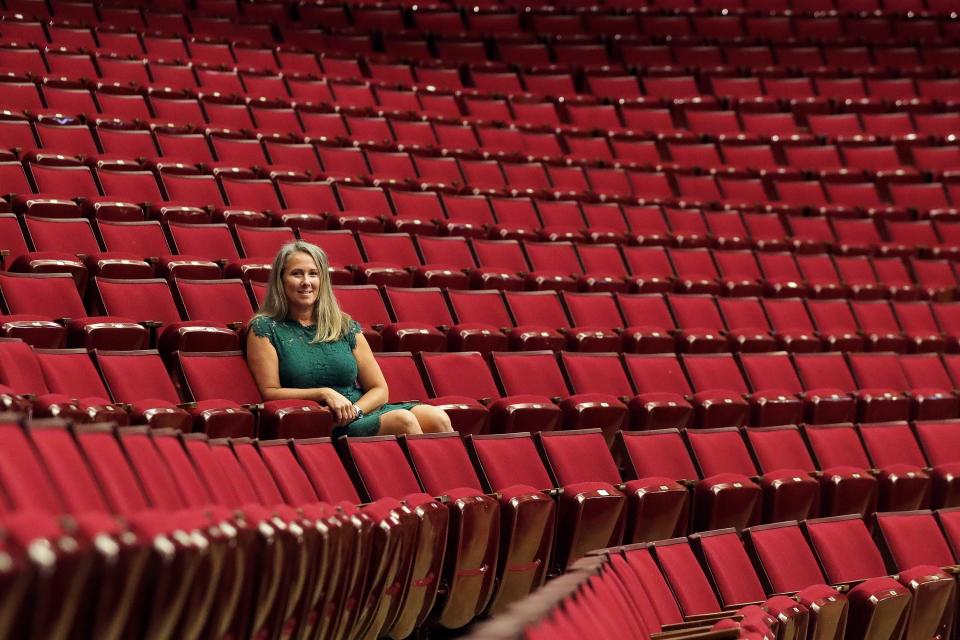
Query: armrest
[{"x": 187, "y": 405}]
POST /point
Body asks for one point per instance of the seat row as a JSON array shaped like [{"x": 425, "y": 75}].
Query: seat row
[
  {"x": 794, "y": 575},
  {"x": 864, "y": 266},
  {"x": 693, "y": 390},
  {"x": 286, "y": 506},
  {"x": 241, "y": 537},
  {"x": 418, "y": 192}
]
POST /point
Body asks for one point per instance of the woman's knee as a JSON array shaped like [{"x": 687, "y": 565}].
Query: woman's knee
[
  {"x": 432, "y": 419},
  {"x": 399, "y": 422}
]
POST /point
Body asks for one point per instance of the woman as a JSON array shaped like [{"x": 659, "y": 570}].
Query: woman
[{"x": 301, "y": 345}]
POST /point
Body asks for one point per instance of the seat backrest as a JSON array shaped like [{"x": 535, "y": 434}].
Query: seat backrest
[
  {"x": 484, "y": 306},
  {"x": 657, "y": 373},
  {"x": 142, "y": 238},
  {"x": 641, "y": 561},
  {"x": 695, "y": 312},
  {"x": 787, "y": 314},
  {"x": 142, "y": 300},
  {"x": 223, "y": 301},
  {"x": 940, "y": 440},
  {"x": 823, "y": 371},
  {"x": 19, "y": 368},
  {"x": 24, "y": 480},
  {"x": 71, "y": 372},
  {"x": 832, "y": 315},
  {"x": 690, "y": 584},
  {"x": 915, "y": 316},
  {"x": 890, "y": 443},
  {"x": 875, "y": 316},
  {"x": 730, "y": 567},
  {"x": 659, "y": 453},
  {"x": 262, "y": 242},
  {"x": 381, "y": 467},
  {"x": 721, "y": 451},
  {"x": 48, "y": 294},
  {"x": 58, "y": 453},
  {"x": 120, "y": 484},
  {"x": 131, "y": 376},
  {"x": 232, "y": 470},
  {"x": 69, "y": 235},
  {"x": 766, "y": 371},
  {"x": 693, "y": 263},
  {"x": 509, "y": 460},
  {"x": 460, "y": 374},
  {"x": 541, "y": 308},
  {"x": 714, "y": 371},
  {"x": 553, "y": 256},
  {"x": 182, "y": 470},
  {"x": 836, "y": 445},
  {"x": 221, "y": 375},
  {"x": 212, "y": 241},
  {"x": 206, "y": 462},
  {"x": 784, "y": 556},
  {"x": 645, "y": 311},
  {"x": 779, "y": 448},
  {"x": 596, "y": 373},
  {"x": 289, "y": 476},
  {"x": 878, "y": 370},
  {"x": 531, "y": 372},
  {"x": 441, "y": 462},
  {"x": 155, "y": 477},
  {"x": 423, "y": 304},
  {"x": 403, "y": 378},
  {"x": 597, "y": 309},
  {"x": 322, "y": 465},
  {"x": 914, "y": 538},
  {"x": 846, "y": 550},
  {"x": 393, "y": 248},
  {"x": 579, "y": 456},
  {"x": 363, "y": 303}
]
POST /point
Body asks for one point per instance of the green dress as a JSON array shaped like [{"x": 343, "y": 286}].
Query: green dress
[{"x": 306, "y": 365}]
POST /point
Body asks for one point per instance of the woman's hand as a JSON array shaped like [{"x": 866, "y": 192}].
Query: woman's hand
[{"x": 342, "y": 409}]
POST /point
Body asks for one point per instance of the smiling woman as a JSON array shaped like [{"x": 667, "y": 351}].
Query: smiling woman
[{"x": 302, "y": 345}]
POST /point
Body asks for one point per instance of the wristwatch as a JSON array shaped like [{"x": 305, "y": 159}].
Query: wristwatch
[{"x": 359, "y": 411}]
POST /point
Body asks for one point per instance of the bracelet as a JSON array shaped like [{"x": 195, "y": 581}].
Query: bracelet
[{"x": 359, "y": 411}]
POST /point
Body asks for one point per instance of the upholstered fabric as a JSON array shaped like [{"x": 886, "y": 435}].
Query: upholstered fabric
[
  {"x": 158, "y": 485},
  {"x": 326, "y": 473},
  {"x": 384, "y": 468},
  {"x": 117, "y": 479},
  {"x": 660, "y": 453},
  {"x": 509, "y": 461},
  {"x": 846, "y": 549},
  {"x": 731, "y": 569},
  {"x": 786, "y": 558},
  {"x": 691, "y": 587},
  {"x": 442, "y": 464}
]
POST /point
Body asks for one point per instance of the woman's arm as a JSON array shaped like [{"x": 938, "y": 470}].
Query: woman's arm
[
  {"x": 265, "y": 366},
  {"x": 374, "y": 385}
]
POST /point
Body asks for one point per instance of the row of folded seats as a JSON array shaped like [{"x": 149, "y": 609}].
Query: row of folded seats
[
  {"x": 816, "y": 20},
  {"x": 487, "y": 17},
  {"x": 755, "y": 170},
  {"x": 705, "y": 102},
  {"x": 789, "y": 40},
  {"x": 506, "y": 392},
  {"x": 713, "y": 254},
  {"x": 819, "y": 579},
  {"x": 171, "y": 121},
  {"x": 390, "y": 535},
  {"x": 427, "y": 194}
]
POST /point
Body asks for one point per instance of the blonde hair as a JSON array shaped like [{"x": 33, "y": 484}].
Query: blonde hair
[{"x": 332, "y": 323}]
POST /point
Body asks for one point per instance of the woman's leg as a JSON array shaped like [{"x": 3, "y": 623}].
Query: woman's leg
[
  {"x": 397, "y": 422},
  {"x": 431, "y": 419}
]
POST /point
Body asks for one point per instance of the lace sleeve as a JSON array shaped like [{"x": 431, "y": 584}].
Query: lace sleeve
[
  {"x": 352, "y": 334},
  {"x": 262, "y": 326}
]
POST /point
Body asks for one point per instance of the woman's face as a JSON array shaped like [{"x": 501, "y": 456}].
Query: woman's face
[{"x": 301, "y": 281}]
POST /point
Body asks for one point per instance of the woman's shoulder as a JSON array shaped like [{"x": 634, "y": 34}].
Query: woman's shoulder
[
  {"x": 352, "y": 332},
  {"x": 263, "y": 326}
]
